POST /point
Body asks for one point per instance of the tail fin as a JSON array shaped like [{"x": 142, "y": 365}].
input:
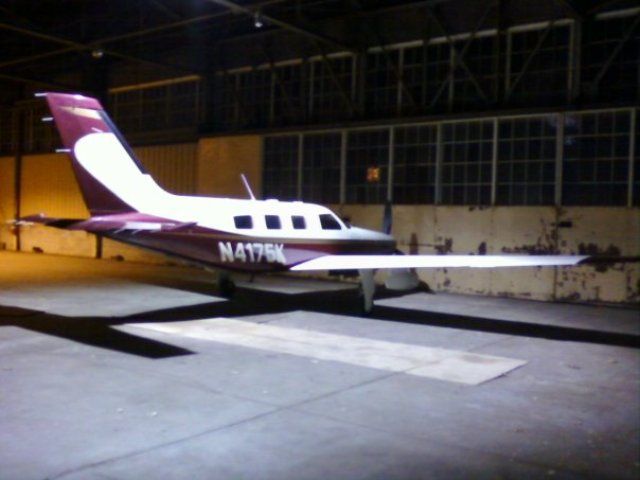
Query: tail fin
[{"x": 109, "y": 175}]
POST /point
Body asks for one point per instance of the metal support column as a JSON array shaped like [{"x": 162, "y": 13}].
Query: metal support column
[
  {"x": 392, "y": 141},
  {"x": 632, "y": 155},
  {"x": 300, "y": 165},
  {"x": 272, "y": 95},
  {"x": 494, "y": 162},
  {"x": 343, "y": 167},
  {"x": 19, "y": 119},
  {"x": 312, "y": 80},
  {"x": 400, "y": 84},
  {"x": 575, "y": 59},
  {"x": 439, "y": 157},
  {"x": 559, "y": 158}
]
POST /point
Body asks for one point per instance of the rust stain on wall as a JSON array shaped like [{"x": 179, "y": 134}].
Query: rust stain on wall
[
  {"x": 413, "y": 244},
  {"x": 538, "y": 248},
  {"x": 595, "y": 250},
  {"x": 446, "y": 247}
]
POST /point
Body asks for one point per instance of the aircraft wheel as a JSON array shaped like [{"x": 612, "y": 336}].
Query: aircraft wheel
[{"x": 226, "y": 287}]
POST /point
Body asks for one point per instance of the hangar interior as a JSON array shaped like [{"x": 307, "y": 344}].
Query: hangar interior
[
  {"x": 493, "y": 127},
  {"x": 503, "y": 126}
]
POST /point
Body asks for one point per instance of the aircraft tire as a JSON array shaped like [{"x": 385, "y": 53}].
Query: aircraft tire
[{"x": 226, "y": 287}]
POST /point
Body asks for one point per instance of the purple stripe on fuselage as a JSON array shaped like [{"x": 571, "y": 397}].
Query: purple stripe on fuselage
[{"x": 247, "y": 254}]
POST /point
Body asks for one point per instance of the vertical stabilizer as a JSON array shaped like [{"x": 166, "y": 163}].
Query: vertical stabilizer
[{"x": 101, "y": 158}]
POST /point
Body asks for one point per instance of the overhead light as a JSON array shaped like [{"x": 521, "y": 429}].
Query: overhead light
[
  {"x": 97, "y": 53},
  {"x": 257, "y": 20}
]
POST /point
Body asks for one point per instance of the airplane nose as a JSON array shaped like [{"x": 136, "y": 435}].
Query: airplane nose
[{"x": 365, "y": 234}]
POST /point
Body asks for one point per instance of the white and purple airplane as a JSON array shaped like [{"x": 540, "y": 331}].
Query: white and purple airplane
[{"x": 250, "y": 235}]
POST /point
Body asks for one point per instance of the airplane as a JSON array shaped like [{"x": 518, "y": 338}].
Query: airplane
[{"x": 226, "y": 234}]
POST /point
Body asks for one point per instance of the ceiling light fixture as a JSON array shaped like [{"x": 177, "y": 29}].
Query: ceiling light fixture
[{"x": 257, "y": 20}]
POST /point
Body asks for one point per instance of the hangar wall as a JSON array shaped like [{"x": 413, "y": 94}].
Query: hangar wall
[
  {"x": 475, "y": 230},
  {"x": 7, "y": 203},
  {"x": 221, "y": 160},
  {"x": 51, "y": 189}
]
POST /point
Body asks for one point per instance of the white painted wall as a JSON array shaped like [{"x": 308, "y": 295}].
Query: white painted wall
[{"x": 602, "y": 230}]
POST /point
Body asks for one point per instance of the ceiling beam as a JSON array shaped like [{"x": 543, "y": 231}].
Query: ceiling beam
[
  {"x": 358, "y": 13},
  {"x": 573, "y": 9},
  {"x": 195, "y": 20},
  {"x": 130, "y": 35},
  {"x": 75, "y": 46},
  {"x": 36, "y": 81},
  {"x": 287, "y": 25}
]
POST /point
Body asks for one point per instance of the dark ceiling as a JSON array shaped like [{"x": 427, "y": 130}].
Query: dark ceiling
[{"x": 62, "y": 43}]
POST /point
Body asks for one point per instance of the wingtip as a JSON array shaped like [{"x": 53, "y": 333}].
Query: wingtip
[{"x": 603, "y": 260}]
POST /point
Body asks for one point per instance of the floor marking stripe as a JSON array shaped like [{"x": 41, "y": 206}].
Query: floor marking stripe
[{"x": 439, "y": 363}]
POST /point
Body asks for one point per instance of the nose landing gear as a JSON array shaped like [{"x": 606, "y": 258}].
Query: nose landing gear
[{"x": 367, "y": 289}]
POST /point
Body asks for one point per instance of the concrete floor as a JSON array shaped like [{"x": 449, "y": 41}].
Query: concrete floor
[{"x": 92, "y": 386}]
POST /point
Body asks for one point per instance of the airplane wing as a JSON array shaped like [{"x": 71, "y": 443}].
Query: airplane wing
[{"x": 364, "y": 262}]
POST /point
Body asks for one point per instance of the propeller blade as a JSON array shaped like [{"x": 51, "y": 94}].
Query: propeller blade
[{"x": 387, "y": 219}]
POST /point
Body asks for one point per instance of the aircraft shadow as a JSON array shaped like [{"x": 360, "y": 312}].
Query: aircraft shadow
[
  {"x": 94, "y": 331},
  {"x": 100, "y": 331},
  {"x": 253, "y": 302}
]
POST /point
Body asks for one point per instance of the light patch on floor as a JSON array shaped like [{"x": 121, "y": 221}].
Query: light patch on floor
[{"x": 437, "y": 363}]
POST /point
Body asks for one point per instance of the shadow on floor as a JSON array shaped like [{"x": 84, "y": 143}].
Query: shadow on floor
[{"x": 98, "y": 331}]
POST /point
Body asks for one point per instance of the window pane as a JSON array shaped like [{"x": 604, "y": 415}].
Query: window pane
[
  {"x": 414, "y": 164},
  {"x": 539, "y": 65},
  {"x": 272, "y": 222},
  {"x": 331, "y": 88},
  {"x": 280, "y": 167},
  {"x": 298, "y": 222},
  {"x": 467, "y": 151},
  {"x": 243, "y": 221},
  {"x": 367, "y": 150},
  {"x": 594, "y": 170},
  {"x": 328, "y": 222},
  {"x": 526, "y": 161},
  {"x": 321, "y": 168}
]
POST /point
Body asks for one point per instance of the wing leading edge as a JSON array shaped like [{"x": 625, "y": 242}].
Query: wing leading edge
[{"x": 364, "y": 262}]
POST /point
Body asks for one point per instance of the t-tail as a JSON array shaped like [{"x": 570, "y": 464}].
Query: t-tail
[{"x": 108, "y": 173}]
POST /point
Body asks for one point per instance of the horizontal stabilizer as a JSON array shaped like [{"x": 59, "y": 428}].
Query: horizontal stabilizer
[
  {"x": 363, "y": 262},
  {"x": 49, "y": 221},
  {"x": 134, "y": 222}
]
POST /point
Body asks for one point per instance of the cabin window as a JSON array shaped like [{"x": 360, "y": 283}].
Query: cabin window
[
  {"x": 273, "y": 222},
  {"x": 328, "y": 222},
  {"x": 243, "y": 221},
  {"x": 298, "y": 222}
]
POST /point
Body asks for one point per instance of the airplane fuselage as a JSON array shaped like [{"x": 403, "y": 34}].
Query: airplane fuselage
[{"x": 252, "y": 235}]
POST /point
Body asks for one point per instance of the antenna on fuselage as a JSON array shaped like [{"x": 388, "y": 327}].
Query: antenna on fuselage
[{"x": 247, "y": 186}]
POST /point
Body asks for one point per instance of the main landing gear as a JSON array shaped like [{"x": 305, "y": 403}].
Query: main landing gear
[
  {"x": 400, "y": 280},
  {"x": 226, "y": 287}
]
